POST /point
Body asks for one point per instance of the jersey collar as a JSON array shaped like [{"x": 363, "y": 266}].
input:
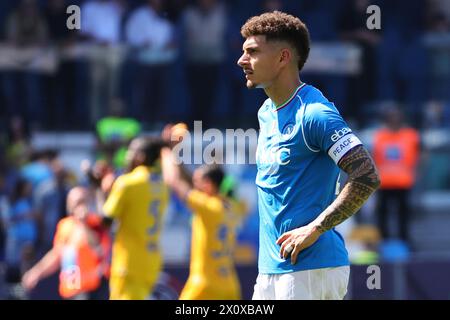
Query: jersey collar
[{"x": 281, "y": 106}]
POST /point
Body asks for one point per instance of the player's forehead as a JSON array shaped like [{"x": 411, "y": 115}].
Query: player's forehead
[{"x": 254, "y": 42}]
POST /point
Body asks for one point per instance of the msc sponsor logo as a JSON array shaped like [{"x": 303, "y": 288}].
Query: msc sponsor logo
[
  {"x": 340, "y": 133},
  {"x": 271, "y": 157}
]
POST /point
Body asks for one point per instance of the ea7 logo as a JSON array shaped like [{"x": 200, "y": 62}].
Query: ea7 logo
[{"x": 340, "y": 133}]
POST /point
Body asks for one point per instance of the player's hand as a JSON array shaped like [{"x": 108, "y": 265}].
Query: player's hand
[
  {"x": 294, "y": 241},
  {"x": 174, "y": 133}
]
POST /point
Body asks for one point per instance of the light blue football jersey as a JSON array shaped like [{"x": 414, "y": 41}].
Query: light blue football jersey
[{"x": 299, "y": 146}]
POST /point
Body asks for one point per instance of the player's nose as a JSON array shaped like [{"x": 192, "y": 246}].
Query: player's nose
[{"x": 242, "y": 60}]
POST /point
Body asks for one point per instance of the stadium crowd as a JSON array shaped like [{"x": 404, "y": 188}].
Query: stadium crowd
[{"x": 62, "y": 79}]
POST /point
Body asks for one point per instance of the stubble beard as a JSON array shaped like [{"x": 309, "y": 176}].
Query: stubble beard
[
  {"x": 250, "y": 85},
  {"x": 253, "y": 85}
]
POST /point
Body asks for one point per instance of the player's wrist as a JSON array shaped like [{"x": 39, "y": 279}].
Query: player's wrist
[{"x": 317, "y": 228}]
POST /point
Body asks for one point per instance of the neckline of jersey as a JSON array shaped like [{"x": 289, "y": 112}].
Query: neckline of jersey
[{"x": 290, "y": 98}]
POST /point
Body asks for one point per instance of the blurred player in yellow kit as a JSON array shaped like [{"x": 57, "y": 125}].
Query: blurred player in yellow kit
[
  {"x": 215, "y": 219},
  {"x": 137, "y": 202}
]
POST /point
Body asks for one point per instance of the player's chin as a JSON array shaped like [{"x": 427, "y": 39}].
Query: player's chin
[{"x": 251, "y": 84}]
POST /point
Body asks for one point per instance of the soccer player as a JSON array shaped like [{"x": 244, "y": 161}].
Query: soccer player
[
  {"x": 303, "y": 143},
  {"x": 216, "y": 216},
  {"x": 137, "y": 202}
]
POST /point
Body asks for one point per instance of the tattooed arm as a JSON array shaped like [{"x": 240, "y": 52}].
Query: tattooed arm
[{"x": 362, "y": 181}]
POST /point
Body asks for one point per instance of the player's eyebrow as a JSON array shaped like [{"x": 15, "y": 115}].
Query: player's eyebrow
[{"x": 250, "y": 47}]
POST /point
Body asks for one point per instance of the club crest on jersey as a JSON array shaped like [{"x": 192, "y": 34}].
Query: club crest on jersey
[{"x": 288, "y": 131}]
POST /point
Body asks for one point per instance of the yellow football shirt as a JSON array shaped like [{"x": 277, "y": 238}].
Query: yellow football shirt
[
  {"x": 138, "y": 201},
  {"x": 214, "y": 223}
]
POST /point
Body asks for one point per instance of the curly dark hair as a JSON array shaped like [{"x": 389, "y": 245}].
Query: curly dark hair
[{"x": 278, "y": 25}]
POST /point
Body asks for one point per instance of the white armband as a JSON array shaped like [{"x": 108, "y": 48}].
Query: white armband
[{"x": 342, "y": 146}]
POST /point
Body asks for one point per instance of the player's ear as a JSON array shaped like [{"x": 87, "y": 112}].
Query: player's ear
[{"x": 285, "y": 56}]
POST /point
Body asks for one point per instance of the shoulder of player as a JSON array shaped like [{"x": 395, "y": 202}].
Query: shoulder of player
[
  {"x": 203, "y": 196},
  {"x": 207, "y": 202},
  {"x": 320, "y": 111},
  {"x": 315, "y": 103},
  {"x": 124, "y": 180}
]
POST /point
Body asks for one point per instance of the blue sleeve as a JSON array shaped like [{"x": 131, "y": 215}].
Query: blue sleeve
[{"x": 323, "y": 126}]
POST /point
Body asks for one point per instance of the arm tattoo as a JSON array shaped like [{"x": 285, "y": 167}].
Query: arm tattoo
[{"x": 362, "y": 181}]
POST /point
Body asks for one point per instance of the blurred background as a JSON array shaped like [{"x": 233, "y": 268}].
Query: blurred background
[{"x": 134, "y": 66}]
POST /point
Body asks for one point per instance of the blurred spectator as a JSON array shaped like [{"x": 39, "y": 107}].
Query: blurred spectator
[
  {"x": 352, "y": 27},
  {"x": 438, "y": 23},
  {"x": 174, "y": 9},
  {"x": 80, "y": 249},
  {"x": 102, "y": 22},
  {"x": 38, "y": 169},
  {"x": 239, "y": 103},
  {"x": 26, "y": 28},
  {"x": 152, "y": 38},
  {"x": 204, "y": 25},
  {"x": 56, "y": 17},
  {"x": 272, "y": 5},
  {"x": 4, "y": 207},
  {"x": 436, "y": 115},
  {"x": 396, "y": 153},
  {"x": 64, "y": 181},
  {"x": 114, "y": 133},
  {"x": 437, "y": 41},
  {"x": 62, "y": 109},
  {"x": 19, "y": 149},
  {"x": 314, "y": 12},
  {"x": 21, "y": 231},
  {"x": 402, "y": 58},
  {"x": 41, "y": 173},
  {"x": 441, "y": 7}
]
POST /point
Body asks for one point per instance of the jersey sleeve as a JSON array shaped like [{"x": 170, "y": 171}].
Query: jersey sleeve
[
  {"x": 325, "y": 130},
  {"x": 115, "y": 203}
]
